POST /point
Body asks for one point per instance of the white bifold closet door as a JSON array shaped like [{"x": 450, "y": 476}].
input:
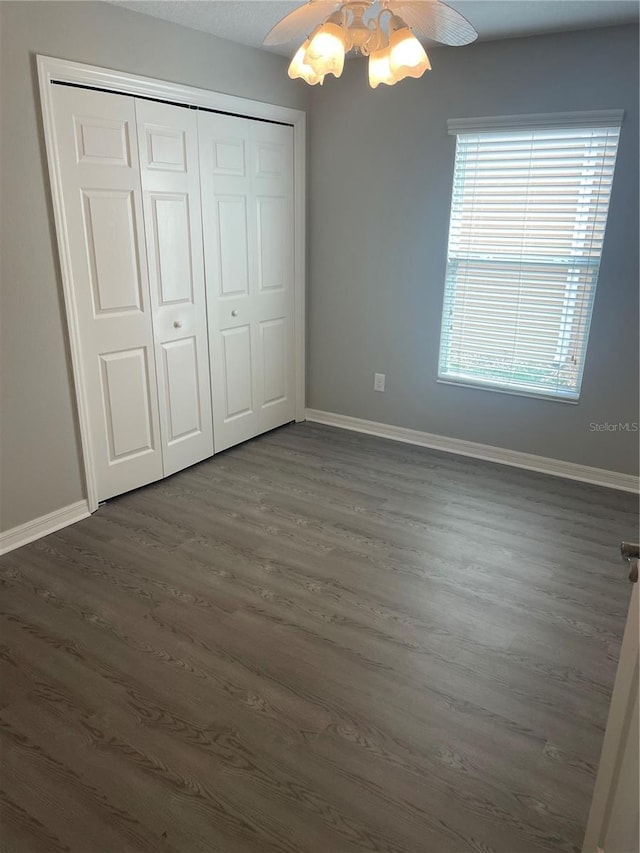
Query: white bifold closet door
[
  {"x": 143, "y": 348},
  {"x": 168, "y": 144},
  {"x": 246, "y": 173}
]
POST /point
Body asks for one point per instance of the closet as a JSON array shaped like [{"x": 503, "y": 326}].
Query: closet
[{"x": 179, "y": 231}]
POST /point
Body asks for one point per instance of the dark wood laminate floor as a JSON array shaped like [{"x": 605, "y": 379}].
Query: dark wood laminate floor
[{"x": 318, "y": 642}]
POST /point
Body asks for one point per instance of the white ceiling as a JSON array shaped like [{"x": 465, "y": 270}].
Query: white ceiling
[{"x": 248, "y": 21}]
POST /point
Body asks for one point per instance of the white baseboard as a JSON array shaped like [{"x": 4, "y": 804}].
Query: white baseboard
[
  {"x": 542, "y": 464},
  {"x": 39, "y": 527}
]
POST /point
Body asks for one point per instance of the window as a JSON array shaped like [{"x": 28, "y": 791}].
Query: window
[{"x": 528, "y": 216}]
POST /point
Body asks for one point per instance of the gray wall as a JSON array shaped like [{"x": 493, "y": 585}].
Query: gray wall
[
  {"x": 380, "y": 190},
  {"x": 381, "y": 166},
  {"x": 40, "y": 465}
]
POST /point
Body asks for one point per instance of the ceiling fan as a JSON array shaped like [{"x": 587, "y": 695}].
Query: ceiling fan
[{"x": 383, "y": 30}]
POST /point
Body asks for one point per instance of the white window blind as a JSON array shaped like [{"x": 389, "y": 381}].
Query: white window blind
[{"x": 528, "y": 216}]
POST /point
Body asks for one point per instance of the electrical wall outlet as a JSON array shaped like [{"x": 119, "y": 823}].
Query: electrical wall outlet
[{"x": 379, "y": 380}]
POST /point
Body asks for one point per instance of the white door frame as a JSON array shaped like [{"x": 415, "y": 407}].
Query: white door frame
[
  {"x": 617, "y": 733},
  {"x": 51, "y": 69}
]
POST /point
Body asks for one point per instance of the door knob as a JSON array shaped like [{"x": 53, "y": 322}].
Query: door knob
[
  {"x": 177, "y": 324},
  {"x": 234, "y": 313}
]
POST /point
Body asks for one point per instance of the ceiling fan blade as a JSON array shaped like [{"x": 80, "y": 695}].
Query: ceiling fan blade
[
  {"x": 301, "y": 22},
  {"x": 435, "y": 20}
]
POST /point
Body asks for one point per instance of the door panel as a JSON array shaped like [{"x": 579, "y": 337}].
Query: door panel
[
  {"x": 238, "y": 386},
  {"x": 274, "y": 342},
  {"x": 102, "y": 141},
  {"x": 173, "y": 246},
  {"x": 101, "y": 195},
  {"x": 166, "y": 147},
  {"x": 270, "y": 159},
  {"x": 228, "y": 156},
  {"x": 247, "y": 205},
  {"x": 232, "y": 245},
  {"x": 272, "y": 243},
  {"x": 272, "y": 167},
  {"x": 126, "y": 396},
  {"x": 115, "y": 276},
  {"x": 171, "y": 196},
  {"x": 180, "y": 366}
]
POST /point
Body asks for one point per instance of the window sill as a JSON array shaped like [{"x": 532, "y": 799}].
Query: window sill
[{"x": 514, "y": 392}]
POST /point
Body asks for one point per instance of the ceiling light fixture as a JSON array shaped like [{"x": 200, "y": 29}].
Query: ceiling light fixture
[
  {"x": 300, "y": 68},
  {"x": 403, "y": 56},
  {"x": 327, "y": 47},
  {"x": 394, "y": 52},
  {"x": 382, "y": 30}
]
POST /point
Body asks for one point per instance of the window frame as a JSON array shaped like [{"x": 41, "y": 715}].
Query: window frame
[{"x": 505, "y": 124}]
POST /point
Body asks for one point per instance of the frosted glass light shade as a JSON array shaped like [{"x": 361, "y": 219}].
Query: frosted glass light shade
[
  {"x": 299, "y": 67},
  {"x": 325, "y": 53},
  {"x": 380, "y": 68},
  {"x": 407, "y": 56}
]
